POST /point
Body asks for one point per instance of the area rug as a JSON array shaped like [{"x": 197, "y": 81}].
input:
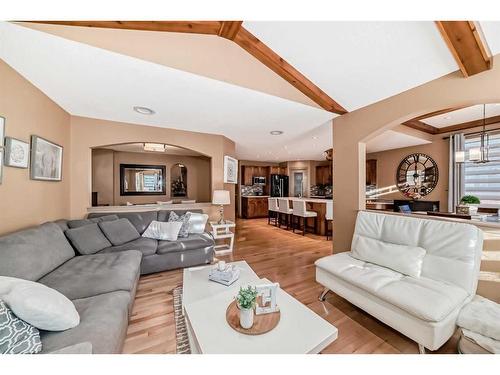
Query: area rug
[{"x": 181, "y": 335}]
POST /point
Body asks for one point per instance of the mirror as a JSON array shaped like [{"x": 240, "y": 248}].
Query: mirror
[
  {"x": 136, "y": 179},
  {"x": 178, "y": 174}
]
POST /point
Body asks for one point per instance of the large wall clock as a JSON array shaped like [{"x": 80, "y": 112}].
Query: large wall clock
[{"x": 417, "y": 175}]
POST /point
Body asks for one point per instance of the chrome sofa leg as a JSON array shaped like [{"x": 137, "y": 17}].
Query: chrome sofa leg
[
  {"x": 323, "y": 294},
  {"x": 421, "y": 349}
]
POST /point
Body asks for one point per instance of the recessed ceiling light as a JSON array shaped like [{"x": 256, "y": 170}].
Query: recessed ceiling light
[
  {"x": 144, "y": 110},
  {"x": 447, "y": 117},
  {"x": 155, "y": 147},
  {"x": 276, "y": 132},
  {"x": 315, "y": 137}
]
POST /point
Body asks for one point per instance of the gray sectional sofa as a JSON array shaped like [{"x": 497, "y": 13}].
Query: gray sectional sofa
[{"x": 102, "y": 285}]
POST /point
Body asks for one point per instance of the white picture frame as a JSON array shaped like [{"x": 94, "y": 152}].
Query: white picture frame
[
  {"x": 46, "y": 160},
  {"x": 2, "y": 131},
  {"x": 230, "y": 170},
  {"x": 16, "y": 153}
]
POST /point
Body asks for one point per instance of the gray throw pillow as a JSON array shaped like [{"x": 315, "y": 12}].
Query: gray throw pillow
[
  {"x": 81, "y": 222},
  {"x": 184, "y": 232},
  {"x": 119, "y": 231},
  {"x": 17, "y": 336},
  {"x": 87, "y": 239}
]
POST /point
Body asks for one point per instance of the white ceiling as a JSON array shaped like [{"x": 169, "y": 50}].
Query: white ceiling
[
  {"x": 139, "y": 147},
  {"x": 93, "y": 82},
  {"x": 491, "y": 32},
  {"x": 463, "y": 115},
  {"x": 393, "y": 139},
  {"x": 359, "y": 63}
]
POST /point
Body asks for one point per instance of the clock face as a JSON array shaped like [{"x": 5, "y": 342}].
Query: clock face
[{"x": 417, "y": 175}]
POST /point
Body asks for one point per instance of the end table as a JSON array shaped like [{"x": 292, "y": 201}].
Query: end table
[{"x": 222, "y": 231}]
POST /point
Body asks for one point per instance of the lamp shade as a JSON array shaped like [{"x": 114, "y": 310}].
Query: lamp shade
[{"x": 221, "y": 197}]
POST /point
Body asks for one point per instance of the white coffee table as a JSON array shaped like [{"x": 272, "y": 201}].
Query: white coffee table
[{"x": 299, "y": 331}]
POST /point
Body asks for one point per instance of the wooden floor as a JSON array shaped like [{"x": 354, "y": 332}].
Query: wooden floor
[{"x": 280, "y": 256}]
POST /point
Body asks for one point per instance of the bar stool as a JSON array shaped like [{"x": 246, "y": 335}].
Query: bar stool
[
  {"x": 328, "y": 219},
  {"x": 284, "y": 212},
  {"x": 300, "y": 211},
  {"x": 273, "y": 211}
]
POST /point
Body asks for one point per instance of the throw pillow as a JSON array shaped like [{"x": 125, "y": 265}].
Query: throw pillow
[
  {"x": 87, "y": 239},
  {"x": 184, "y": 219},
  {"x": 17, "y": 336},
  {"x": 197, "y": 222},
  {"x": 167, "y": 231},
  {"x": 82, "y": 222},
  {"x": 119, "y": 231},
  {"x": 407, "y": 260},
  {"x": 38, "y": 305}
]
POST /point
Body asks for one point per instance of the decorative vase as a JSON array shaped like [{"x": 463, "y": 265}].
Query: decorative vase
[{"x": 246, "y": 318}]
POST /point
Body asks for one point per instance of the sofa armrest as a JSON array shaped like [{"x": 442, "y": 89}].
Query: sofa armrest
[{"x": 80, "y": 348}]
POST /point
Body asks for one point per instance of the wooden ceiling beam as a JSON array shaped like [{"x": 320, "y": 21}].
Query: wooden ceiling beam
[
  {"x": 465, "y": 43},
  {"x": 469, "y": 125},
  {"x": 273, "y": 61},
  {"x": 231, "y": 30},
  {"x": 194, "y": 27},
  {"x": 419, "y": 125}
]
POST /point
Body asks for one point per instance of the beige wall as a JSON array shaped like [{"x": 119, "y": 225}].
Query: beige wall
[
  {"x": 89, "y": 133},
  {"x": 27, "y": 111},
  {"x": 351, "y": 131},
  {"x": 388, "y": 162},
  {"x": 106, "y": 175}
]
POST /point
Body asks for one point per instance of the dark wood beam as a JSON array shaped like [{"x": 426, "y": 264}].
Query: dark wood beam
[
  {"x": 273, "y": 61},
  {"x": 195, "y": 27},
  {"x": 464, "y": 41},
  {"x": 469, "y": 125},
  {"x": 229, "y": 29},
  {"x": 419, "y": 125}
]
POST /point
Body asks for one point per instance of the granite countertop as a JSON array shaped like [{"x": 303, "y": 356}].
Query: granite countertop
[{"x": 255, "y": 196}]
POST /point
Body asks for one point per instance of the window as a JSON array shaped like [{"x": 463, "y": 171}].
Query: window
[{"x": 483, "y": 180}]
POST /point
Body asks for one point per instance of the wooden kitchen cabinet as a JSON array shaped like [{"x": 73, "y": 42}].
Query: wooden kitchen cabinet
[
  {"x": 371, "y": 172},
  {"x": 254, "y": 207},
  {"x": 324, "y": 175},
  {"x": 248, "y": 175}
]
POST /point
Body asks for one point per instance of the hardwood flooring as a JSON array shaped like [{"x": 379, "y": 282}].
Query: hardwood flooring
[{"x": 280, "y": 256}]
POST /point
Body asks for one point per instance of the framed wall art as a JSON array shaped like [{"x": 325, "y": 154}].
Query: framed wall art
[
  {"x": 46, "y": 160},
  {"x": 230, "y": 170},
  {"x": 16, "y": 153}
]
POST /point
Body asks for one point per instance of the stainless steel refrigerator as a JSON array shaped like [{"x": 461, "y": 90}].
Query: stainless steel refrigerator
[{"x": 279, "y": 185}]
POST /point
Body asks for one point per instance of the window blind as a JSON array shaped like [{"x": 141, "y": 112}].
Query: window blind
[{"x": 483, "y": 180}]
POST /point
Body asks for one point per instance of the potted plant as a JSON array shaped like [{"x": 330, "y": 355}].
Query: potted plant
[
  {"x": 246, "y": 299},
  {"x": 472, "y": 202}
]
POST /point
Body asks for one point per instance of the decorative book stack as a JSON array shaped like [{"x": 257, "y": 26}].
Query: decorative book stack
[{"x": 227, "y": 276}]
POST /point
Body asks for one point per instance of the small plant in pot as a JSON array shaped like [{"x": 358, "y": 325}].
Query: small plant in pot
[
  {"x": 472, "y": 202},
  {"x": 246, "y": 300}
]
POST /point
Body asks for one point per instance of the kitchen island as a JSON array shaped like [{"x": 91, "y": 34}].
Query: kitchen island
[{"x": 319, "y": 206}]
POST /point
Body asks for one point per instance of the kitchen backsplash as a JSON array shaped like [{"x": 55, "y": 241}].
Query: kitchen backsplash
[
  {"x": 321, "y": 190},
  {"x": 252, "y": 190}
]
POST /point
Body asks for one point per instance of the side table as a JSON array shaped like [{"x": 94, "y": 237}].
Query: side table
[{"x": 223, "y": 231}]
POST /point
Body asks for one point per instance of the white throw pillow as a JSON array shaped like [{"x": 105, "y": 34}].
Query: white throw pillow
[
  {"x": 197, "y": 222},
  {"x": 160, "y": 230},
  {"x": 407, "y": 260},
  {"x": 38, "y": 305}
]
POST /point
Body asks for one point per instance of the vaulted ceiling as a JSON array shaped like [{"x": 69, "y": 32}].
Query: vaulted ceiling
[{"x": 293, "y": 78}]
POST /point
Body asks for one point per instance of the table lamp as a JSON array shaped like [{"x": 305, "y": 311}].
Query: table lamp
[{"x": 222, "y": 198}]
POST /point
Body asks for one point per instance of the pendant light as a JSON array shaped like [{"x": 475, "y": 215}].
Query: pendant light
[{"x": 480, "y": 155}]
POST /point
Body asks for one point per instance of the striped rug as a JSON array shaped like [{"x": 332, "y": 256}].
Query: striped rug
[{"x": 181, "y": 335}]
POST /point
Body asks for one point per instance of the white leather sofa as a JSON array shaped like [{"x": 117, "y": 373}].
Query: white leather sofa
[{"x": 412, "y": 274}]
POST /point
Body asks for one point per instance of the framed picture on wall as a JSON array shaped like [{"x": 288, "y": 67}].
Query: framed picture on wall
[
  {"x": 230, "y": 170},
  {"x": 46, "y": 160},
  {"x": 2, "y": 131},
  {"x": 1, "y": 165},
  {"x": 16, "y": 153}
]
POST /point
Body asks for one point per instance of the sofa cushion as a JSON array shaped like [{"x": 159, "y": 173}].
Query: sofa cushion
[
  {"x": 119, "y": 231},
  {"x": 192, "y": 242},
  {"x": 163, "y": 215},
  {"x": 405, "y": 259},
  {"x": 32, "y": 253},
  {"x": 140, "y": 220},
  {"x": 197, "y": 222},
  {"x": 184, "y": 219},
  {"x": 160, "y": 230},
  {"x": 90, "y": 275},
  {"x": 103, "y": 323},
  {"x": 17, "y": 336},
  {"x": 146, "y": 246},
  {"x": 82, "y": 222},
  {"x": 423, "y": 298},
  {"x": 87, "y": 239}
]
